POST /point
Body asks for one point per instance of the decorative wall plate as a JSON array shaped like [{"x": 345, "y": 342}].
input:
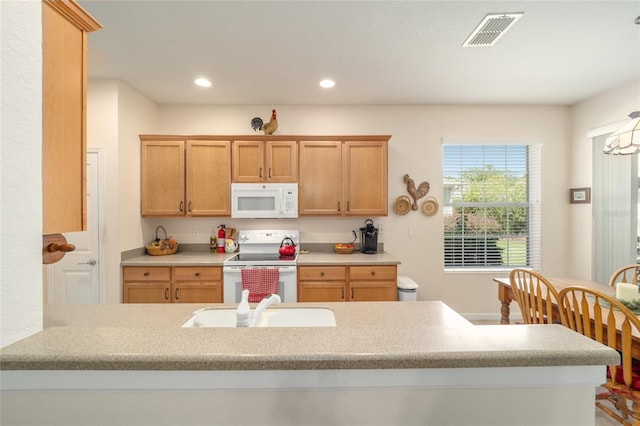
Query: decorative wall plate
[
  {"x": 430, "y": 206},
  {"x": 402, "y": 205}
]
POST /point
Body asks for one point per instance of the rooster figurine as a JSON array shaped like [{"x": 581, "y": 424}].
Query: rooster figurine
[
  {"x": 272, "y": 125},
  {"x": 418, "y": 193}
]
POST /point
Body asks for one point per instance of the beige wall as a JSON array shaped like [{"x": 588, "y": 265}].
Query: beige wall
[
  {"x": 415, "y": 148},
  {"x": 116, "y": 115},
  {"x": 600, "y": 111}
]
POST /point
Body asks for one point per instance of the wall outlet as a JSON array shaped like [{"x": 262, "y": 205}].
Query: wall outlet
[
  {"x": 195, "y": 232},
  {"x": 413, "y": 233}
]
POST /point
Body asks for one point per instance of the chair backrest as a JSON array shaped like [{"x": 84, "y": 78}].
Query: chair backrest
[
  {"x": 535, "y": 295},
  {"x": 589, "y": 313},
  {"x": 626, "y": 274}
]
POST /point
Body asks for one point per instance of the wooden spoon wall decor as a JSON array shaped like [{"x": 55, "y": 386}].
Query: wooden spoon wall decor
[{"x": 416, "y": 193}]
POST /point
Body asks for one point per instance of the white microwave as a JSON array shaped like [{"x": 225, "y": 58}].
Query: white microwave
[{"x": 264, "y": 200}]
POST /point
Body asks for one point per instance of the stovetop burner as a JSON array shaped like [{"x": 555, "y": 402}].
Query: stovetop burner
[
  {"x": 261, "y": 257},
  {"x": 261, "y": 248}
]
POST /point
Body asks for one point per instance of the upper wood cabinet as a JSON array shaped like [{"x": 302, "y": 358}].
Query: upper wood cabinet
[
  {"x": 265, "y": 161},
  {"x": 185, "y": 178},
  {"x": 343, "y": 177},
  {"x": 64, "y": 86}
]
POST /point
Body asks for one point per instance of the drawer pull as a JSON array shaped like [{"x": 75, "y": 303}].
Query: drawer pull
[
  {"x": 197, "y": 274},
  {"x": 322, "y": 273},
  {"x": 146, "y": 274},
  {"x": 373, "y": 273}
]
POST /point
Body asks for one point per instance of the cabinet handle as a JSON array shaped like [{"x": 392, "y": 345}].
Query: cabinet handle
[
  {"x": 342, "y": 293},
  {"x": 166, "y": 294},
  {"x": 352, "y": 296},
  {"x": 373, "y": 273},
  {"x": 146, "y": 273},
  {"x": 269, "y": 172},
  {"x": 181, "y": 206},
  {"x": 322, "y": 273},
  {"x": 260, "y": 172},
  {"x": 338, "y": 205},
  {"x": 176, "y": 294},
  {"x": 197, "y": 274},
  {"x": 347, "y": 206},
  {"x": 189, "y": 207}
]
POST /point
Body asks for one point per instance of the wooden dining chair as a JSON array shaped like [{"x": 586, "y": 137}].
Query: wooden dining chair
[
  {"x": 626, "y": 274},
  {"x": 589, "y": 313},
  {"x": 535, "y": 295}
]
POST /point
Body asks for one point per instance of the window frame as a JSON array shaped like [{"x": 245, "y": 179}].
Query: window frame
[{"x": 534, "y": 231}]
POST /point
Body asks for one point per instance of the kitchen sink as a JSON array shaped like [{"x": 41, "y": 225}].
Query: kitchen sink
[{"x": 272, "y": 317}]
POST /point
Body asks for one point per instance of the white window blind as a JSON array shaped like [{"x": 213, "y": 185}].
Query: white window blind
[{"x": 491, "y": 205}]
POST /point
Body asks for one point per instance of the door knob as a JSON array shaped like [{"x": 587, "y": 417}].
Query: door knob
[{"x": 89, "y": 262}]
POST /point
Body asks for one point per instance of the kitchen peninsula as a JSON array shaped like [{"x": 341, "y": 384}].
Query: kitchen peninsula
[{"x": 384, "y": 363}]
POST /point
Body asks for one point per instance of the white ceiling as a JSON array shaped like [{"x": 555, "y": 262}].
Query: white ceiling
[{"x": 378, "y": 52}]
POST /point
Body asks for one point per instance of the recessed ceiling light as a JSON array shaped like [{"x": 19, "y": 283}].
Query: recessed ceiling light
[
  {"x": 491, "y": 28},
  {"x": 203, "y": 82},
  {"x": 327, "y": 84}
]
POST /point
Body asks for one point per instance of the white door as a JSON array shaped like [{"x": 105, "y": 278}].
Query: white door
[{"x": 75, "y": 279}]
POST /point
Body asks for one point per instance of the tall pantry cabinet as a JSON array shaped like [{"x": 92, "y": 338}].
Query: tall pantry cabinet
[{"x": 64, "y": 88}]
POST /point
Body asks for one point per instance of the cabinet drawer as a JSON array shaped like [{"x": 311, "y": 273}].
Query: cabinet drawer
[
  {"x": 141, "y": 273},
  {"x": 198, "y": 273},
  {"x": 321, "y": 273},
  {"x": 372, "y": 273}
]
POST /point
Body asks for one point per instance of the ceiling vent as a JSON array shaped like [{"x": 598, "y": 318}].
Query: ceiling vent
[{"x": 492, "y": 27}]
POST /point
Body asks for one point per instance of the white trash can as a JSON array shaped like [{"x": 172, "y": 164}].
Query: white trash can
[{"x": 407, "y": 289}]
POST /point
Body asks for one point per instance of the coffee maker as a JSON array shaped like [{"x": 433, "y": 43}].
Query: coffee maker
[{"x": 369, "y": 238}]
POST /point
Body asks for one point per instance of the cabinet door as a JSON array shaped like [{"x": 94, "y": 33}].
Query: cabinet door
[
  {"x": 147, "y": 292},
  {"x": 248, "y": 161},
  {"x": 64, "y": 84},
  {"x": 208, "y": 178},
  {"x": 162, "y": 178},
  {"x": 377, "y": 291},
  {"x": 373, "y": 283},
  {"x": 321, "y": 283},
  {"x": 365, "y": 178},
  {"x": 321, "y": 291},
  {"x": 197, "y": 292},
  {"x": 146, "y": 284},
  {"x": 281, "y": 161},
  {"x": 197, "y": 284},
  {"x": 320, "y": 178}
]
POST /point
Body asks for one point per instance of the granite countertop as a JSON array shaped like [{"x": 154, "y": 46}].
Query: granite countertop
[{"x": 368, "y": 335}]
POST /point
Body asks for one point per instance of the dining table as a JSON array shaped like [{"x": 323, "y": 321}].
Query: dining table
[{"x": 506, "y": 296}]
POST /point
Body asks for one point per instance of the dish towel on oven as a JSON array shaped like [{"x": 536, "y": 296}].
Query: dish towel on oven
[{"x": 260, "y": 282}]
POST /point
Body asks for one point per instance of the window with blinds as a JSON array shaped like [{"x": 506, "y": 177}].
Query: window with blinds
[{"x": 491, "y": 205}]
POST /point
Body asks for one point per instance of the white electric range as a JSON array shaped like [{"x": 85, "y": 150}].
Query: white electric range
[{"x": 260, "y": 249}]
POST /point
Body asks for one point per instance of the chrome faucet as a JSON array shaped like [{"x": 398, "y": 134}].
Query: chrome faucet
[{"x": 244, "y": 317}]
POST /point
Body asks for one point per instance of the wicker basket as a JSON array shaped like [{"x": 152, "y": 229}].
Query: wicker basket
[
  {"x": 163, "y": 249},
  {"x": 343, "y": 250}
]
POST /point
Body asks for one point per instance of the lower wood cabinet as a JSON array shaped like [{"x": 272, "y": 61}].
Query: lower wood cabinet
[
  {"x": 347, "y": 283},
  {"x": 172, "y": 284}
]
